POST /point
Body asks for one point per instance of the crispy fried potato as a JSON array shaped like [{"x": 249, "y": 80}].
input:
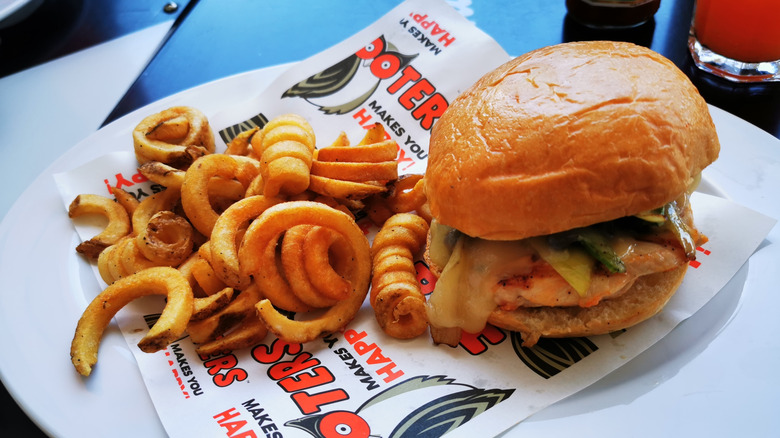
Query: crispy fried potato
[
  {"x": 125, "y": 199},
  {"x": 217, "y": 324},
  {"x": 374, "y": 134},
  {"x": 131, "y": 260},
  {"x": 166, "y": 240},
  {"x": 398, "y": 302},
  {"x": 176, "y": 136},
  {"x": 294, "y": 267},
  {"x": 372, "y": 153},
  {"x": 263, "y": 233},
  {"x": 195, "y": 191},
  {"x": 162, "y": 174},
  {"x": 355, "y": 172},
  {"x": 286, "y": 148},
  {"x": 165, "y": 200},
  {"x": 247, "y": 333},
  {"x": 109, "y": 264},
  {"x": 205, "y": 307},
  {"x": 118, "y": 222},
  {"x": 337, "y": 188},
  {"x": 207, "y": 278},
  {"x": 240, "y": 145},
  {"x": 225, "y": 237},
  {"x": 98, "y": 314},
  {"x": 327, "y": 257}
]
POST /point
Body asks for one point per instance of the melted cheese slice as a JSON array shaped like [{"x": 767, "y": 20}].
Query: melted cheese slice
[{"x": 463, "y": 295}]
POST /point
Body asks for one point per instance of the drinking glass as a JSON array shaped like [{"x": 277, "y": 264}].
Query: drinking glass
[{"x": 738, "y": 40}]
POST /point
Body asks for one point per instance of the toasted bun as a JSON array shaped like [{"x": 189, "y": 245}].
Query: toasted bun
[
  {"x": 567, "y": 136},
  {"x": 647, "y": 297}
]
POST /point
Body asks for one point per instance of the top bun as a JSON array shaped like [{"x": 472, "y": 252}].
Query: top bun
[{"x": 567, "y": 136}]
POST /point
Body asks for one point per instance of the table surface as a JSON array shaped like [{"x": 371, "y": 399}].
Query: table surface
[
  {"x": 211, "y": 39},
  {"x": 282, "y": 32}
]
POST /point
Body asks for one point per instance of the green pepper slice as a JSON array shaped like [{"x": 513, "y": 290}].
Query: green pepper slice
[{"x": 597, "y": 245}]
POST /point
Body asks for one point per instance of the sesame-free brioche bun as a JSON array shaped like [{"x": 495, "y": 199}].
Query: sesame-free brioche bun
[{"x": 564, "y": 137}]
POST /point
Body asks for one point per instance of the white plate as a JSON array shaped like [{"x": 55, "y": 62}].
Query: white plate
[{"x": 723, "y": 354}]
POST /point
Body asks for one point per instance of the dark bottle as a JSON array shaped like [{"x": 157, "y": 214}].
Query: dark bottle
[{"x": 615, "y": 14}]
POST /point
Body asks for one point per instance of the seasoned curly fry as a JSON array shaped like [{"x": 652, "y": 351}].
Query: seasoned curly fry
[
  {"x": 344, "y": 189},
  {"x": 266, "y": 267},
  {"x": 97, "y": 316},
  {"x": 358, "y": 171},
  {"x": 306, "y": 261},
  {"x": 118, "y": 222},
  {"x": 131, "y": 259},
  {"x": 404, "y": 195},
  {"x": 355, "y": 172},
  {"x": 250, "y": 331},
  {"x": 225, "y": 237},
  {"x": 186, "y": 269},
  {"x": 222, "y": 193},
  {"x": 241, "y": 145},
  {"x": 374, "y": 135},
  {"x": 385, "y": 150},
  {"x": 326, "y": 257},
  {"x": 207, "y": 279},
  {"x": 286, "y": 147},
  {"x": 398, "y": 302},
  {"x": 176, "y": 136},
  {"x": 204, "y": 307},
  {"x": 295, "y": 269},
  {"x": 160, "y": 201},
  {"x": 195, "y": 197},
  {"x": 109, "y": 264},
  {"x": 255, "y": 187},
  {"x": 162, "y": 174},
  {"x": 125, "y": 199},
  {"x": 198, "y": 271},
  {"x": 166, "y": 240},
  {"x": 341, "y": 140},
  {"x": 294, "y": 283},
  {"x": 211, "y": 327},
  {"x": 261, "y": 239}
]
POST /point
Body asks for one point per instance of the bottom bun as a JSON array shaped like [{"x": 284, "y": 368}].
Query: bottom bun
[{"x": 647, "y": 297}]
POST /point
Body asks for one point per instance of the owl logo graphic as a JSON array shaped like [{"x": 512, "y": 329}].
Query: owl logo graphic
[
  {"x": 447, "y": 405},
  {"x": 346, "y": 85}
]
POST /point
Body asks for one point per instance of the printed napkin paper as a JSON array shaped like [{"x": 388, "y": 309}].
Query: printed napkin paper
[{"x": 401, "y": 71}]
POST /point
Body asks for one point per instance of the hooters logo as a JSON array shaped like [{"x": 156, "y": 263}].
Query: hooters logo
[
  {"x": 441, "y": 406},
  {"x": 344, "y": 86}
]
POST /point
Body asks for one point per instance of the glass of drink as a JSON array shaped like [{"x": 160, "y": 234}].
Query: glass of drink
[{"x": 737, "y": 40}]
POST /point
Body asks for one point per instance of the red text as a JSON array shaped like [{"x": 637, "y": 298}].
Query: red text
[
  {"x": 374, "y": 355},
  {"x": 299, "y": 375}
]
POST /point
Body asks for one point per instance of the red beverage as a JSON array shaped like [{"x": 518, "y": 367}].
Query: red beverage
[{"x": 745, "y": 30}]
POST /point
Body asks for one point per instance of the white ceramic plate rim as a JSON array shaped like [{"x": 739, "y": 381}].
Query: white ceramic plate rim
[{"x": 42, "y": 299}]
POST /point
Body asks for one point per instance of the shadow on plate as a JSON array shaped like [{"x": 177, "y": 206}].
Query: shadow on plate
[{"x": 658, "y": 363}]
